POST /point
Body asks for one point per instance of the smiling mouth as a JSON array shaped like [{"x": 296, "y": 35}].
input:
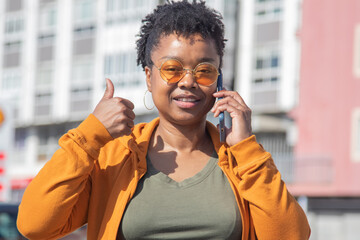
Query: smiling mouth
[{"x": 186, "y": 99}]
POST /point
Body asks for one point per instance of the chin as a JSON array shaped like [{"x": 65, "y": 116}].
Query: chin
[{"x": 184, "y": 118}]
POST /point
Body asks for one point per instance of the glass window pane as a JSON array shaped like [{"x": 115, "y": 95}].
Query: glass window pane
[
  {"x": 11, "y": 80},
  {"x": 274, "y": 61},
  {"x": 259, "y": 63}
]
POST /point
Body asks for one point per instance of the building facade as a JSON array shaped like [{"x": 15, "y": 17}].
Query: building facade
[
  {"x": 267, "y": 75},
  {"x": 328, "y": 120},
  {"x": 54, "y": 58}
]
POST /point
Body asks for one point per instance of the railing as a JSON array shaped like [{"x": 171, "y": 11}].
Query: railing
[{"x": 281, "y": 151}]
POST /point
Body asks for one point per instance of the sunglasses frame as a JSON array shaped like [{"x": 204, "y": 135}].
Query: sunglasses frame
[{"x": 186, "y": 70}]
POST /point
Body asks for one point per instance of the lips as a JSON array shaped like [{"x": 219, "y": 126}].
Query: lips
[
  {"x": 186, "y": 101},
  {"x": 186, "y": 97}
]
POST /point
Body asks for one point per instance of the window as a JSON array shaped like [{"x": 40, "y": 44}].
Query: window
[
  {"x": 80, "y": 100},
  {"x": 45, "y": 47},
  {"x": 267, "y": 58},
  {"x": 266, "y": 77},
  {"x": 46, "y": 34},
  {"x": 45, "y": 53},
  {"x": 20, "y": 138},
  {"x": 44, "y": 77},
  {"x": 46, "y": 39},
  {"x": 82, "y": 72},
  {"x": 84, "y": 11},
  {"x": 83, "y": 46},
  {"x": 14, "y": 24},
  {"x": 122, "y": 69},
  {"x": 14, "y": 46},
  {"x": 19, "y": 153},
  {"x": 47, "y": 140},
  {"x": 267, "y": 32},
  {"x": 259, "y": 63},
  {"x": 355, "y": 138},
  {"x": 11, "y": 79},
  {"x": 120, "y": 11},
  {"x": 47, "y": 17},
  {"x": 43, "y": 102},
  {"x": 266, "y": 80},
  {"x": 12, "y": 60},
  {"x": 274, "y": 79},
  {"x": 84, "y": 39},
  {"x": 268, "y": 10},
  {"x": 274, "y": 61},
  {"x": 81, "y": 81},
  {"x": 12, "y": 54},
  {"x": 13, "y": 5}
]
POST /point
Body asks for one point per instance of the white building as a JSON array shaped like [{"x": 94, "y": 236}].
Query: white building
[
  {"x": 54, "y": 58},
  {"x": 268, "y": 73}
]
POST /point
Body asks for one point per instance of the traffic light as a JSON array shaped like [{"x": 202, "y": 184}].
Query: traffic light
[{"x": 2, "y": 175}]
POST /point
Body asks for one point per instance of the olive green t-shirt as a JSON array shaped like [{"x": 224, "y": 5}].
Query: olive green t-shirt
[{"x": 200, "y": 207}]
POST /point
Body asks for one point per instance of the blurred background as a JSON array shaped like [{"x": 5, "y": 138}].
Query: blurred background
[{"x": 295, "y": 62}]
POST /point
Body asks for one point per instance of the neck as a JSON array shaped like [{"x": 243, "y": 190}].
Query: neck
[{"x": 185, "y": 138}]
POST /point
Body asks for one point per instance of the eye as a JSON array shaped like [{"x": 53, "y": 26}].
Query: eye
[
  {"x": 169, "y": 69},
  {"x": 205, "y": 69},
  {"x": 172, "y": 69}
]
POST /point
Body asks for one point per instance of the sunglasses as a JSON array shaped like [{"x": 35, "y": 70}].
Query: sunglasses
[{"x": 172, "y": 71}]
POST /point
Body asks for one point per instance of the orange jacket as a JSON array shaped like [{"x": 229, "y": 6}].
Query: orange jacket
[{"x": 92, "y": 177}]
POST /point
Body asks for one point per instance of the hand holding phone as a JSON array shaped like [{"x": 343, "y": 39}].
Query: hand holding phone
[{"x": 239, "y": 114}]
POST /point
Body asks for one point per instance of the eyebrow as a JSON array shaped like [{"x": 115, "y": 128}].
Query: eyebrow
[{"x": 204, "y": 59}]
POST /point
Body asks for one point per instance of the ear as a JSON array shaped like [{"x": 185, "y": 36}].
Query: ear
[{"x": 148, "y": 77}]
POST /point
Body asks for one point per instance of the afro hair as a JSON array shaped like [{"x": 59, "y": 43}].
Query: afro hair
[{"x": 182, "y": 18}]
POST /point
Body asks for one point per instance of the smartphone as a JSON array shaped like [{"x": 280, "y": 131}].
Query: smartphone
[{"x": 221, "y": 115}]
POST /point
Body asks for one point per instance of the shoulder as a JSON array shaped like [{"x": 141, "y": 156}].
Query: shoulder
[
  {"x": 120, "y": 148},
  {"x": 141, "y": 130}
]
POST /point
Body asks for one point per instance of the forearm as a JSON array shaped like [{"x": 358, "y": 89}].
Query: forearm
[
  {"x": 275, "y": 213},
  {"x": 56, "y": 201}
]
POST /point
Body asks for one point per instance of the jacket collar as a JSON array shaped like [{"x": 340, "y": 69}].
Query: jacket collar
[{"x": 138, "y": 141}]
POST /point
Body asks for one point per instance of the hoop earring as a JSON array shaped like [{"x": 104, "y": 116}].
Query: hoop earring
[{"x": 144, "y": 99}]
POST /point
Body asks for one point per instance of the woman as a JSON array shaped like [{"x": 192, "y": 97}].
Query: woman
[{"x": 170, "y": 178}]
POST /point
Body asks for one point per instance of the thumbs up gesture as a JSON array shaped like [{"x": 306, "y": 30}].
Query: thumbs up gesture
[{"x": 115, "y": 113}]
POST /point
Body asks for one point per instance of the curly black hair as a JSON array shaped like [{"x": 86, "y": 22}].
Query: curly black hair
[{"x": 182, "y": 18}]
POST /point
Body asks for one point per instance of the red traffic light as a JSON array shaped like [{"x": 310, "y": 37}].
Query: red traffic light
[{"x": 2, "y": 156}]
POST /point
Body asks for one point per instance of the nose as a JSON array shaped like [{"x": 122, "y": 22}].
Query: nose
[{"x": 188, "y": 79}]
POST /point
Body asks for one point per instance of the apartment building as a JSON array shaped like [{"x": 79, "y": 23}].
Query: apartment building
[
  {"x": 54, "y": 58},
  {"x": 267, "y": 75}
]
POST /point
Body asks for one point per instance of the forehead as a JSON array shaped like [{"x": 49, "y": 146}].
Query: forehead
[{"x": 189, "y": 50}]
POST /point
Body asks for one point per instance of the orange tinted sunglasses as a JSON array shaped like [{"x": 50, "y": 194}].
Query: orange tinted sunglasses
[{"x": 172, "y": 71}]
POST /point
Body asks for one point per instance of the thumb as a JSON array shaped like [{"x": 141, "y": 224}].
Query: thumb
[{"x": 109, "y": 91}]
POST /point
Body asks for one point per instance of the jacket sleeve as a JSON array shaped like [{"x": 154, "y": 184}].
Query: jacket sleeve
[
  {"x": 273, "y": 210},
  {"x": 56, "y": 201}
]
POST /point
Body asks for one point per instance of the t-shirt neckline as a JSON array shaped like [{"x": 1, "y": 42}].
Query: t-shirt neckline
[{"x": 188, "y": 182}]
